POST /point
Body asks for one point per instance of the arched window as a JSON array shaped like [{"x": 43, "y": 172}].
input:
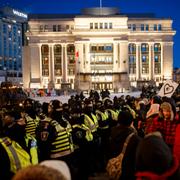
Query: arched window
[
  {"x": 45, "y": 60},
  {"x": 157, "y": 58},
  {"x": 145, "y": 58},
  {"x": 71, "y": 59},
  {"x": 144, "y": 48},
  {"x": 157, "y": 47},
  {"x": 132, "y": 58},
  {"x": 57, "y": 60}
]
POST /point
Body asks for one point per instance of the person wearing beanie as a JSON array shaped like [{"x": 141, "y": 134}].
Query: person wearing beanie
[
  {"x": 118, "y": 136},
  {"x": 154, "y": 159}
]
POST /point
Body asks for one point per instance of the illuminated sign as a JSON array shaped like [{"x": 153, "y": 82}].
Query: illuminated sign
[{"x": 15, "y": 12}]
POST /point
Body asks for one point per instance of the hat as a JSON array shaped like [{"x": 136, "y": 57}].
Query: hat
[
  {"x": 167, "y": 106},
  {"x": 154, "y": 109},
  {"x": 60, "y": 166}
]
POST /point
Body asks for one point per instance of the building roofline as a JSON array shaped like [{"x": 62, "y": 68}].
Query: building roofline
[{"x": 131, "y": 16}]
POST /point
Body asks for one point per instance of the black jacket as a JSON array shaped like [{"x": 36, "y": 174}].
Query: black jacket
[{"x": 117, "y": 139}]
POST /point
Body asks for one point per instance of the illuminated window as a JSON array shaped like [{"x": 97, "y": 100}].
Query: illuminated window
[
  {"x": 45, "y": 28},
  {"x": 101, "y": 25},
  {"x": 101, "y": 53},
  {"x": 155, "y": 27},
  {"x": 41, "y": 28},
  {"x": 145, "y": 58},
  {"x": 59, "y": 27},
  {"x": 45, "y": 60},
  {"x": 57, "y": 60},
  {"x": 157, "y": 47},
  {"x": 142, "y": 27},
  {"x": 91, "y": 25},
  {"x": 159, "y": 27},
  {"x": 132, "y": 58},
  {"x": 157, "y": 58},
  {"x": 54, "y": 28},
  {"x": 147, "y": 27},
  {"x": 134, "y": 27},
  {"x": 132, "y": 48},
  {"x": 71, "y": 59},
  {"x": 110, "y": 25}
]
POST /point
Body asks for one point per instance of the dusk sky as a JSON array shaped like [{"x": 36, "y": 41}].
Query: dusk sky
[{"x": 161, "y": 8}]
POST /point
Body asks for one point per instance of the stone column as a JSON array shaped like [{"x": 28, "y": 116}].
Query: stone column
[
  {"x": 150, "y": 62},
  {"x": 124, "y": 56},
  {"x": 35, "y": 64},
  {"x": 138, "y": 74},
  {"x": 116, "y": 61},
  {"x": 168, "y": 60},
  {"x": 64, "y": 63}
]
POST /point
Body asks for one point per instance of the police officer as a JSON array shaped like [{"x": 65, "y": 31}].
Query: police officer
[
  {"x": 104, "y": 132},
  {"x": 30, "y": 116},
  {"x": 112, "y": 114},
  {"x": 82, "y": 137},
  {"x": 91, "y": 121},
  {"x": 54, "y": 134},
  {"x": 17, "y": 149}
]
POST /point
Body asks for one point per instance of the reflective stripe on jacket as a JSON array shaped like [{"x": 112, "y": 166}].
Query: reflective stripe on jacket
[
  {"x": 89, "y": 136},
  {"x": 92, "y": 125},
  {"x": 102, "y": 118},
  {"x": 18, "y": 157},
  {"x": 62, "y": 145},
  {"x": 31, "y": 141},
  {"x": 113, "y": 113},
  {"x": 31, "y": 125}
]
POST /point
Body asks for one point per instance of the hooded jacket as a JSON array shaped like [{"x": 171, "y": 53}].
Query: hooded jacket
[{"x": 154, "y": 160}]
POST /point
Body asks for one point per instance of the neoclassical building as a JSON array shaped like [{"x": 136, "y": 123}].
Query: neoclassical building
[{"x": 100, "y": 48}]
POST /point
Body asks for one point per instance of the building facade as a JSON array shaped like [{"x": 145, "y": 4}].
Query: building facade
[
  {"x": 98, "y": 49},
  {"x": 176, "y": 75},
  {"x": 12, "y": 26}
]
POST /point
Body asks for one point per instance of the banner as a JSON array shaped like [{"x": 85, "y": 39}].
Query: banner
[{"x": 168, "y": 88}]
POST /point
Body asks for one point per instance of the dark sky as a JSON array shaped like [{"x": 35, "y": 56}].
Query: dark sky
[{"x": 162, "y": 8}]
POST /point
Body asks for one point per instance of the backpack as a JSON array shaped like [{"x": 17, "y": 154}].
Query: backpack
[{"x": 114, "y": 165}]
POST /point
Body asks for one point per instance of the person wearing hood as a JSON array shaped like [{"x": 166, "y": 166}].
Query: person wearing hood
[
  {"x": 153, "y": 122},
  {"x": 154, "y": 159},
  {"x": 169, "y": 123}
]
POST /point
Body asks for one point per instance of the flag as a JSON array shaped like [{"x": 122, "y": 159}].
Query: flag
[{"x": 77, "y": 54}]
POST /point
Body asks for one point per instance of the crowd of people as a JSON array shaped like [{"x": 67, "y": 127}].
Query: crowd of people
[{"x": 76, "y": 140}]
